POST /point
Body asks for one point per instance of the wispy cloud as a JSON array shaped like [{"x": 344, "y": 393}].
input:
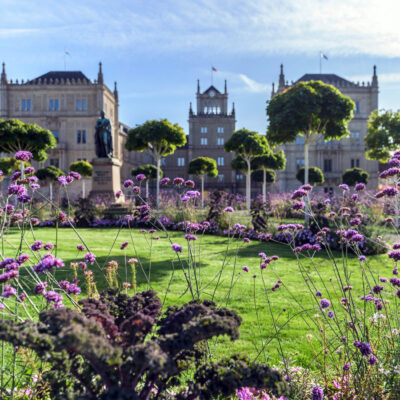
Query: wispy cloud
[{"x": 232, "y": 26}]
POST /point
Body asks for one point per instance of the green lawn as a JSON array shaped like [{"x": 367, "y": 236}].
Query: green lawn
[{"x": 212, "y": 252}]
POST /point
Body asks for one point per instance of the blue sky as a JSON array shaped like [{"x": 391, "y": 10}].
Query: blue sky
[{"x": 157, "y": 49}]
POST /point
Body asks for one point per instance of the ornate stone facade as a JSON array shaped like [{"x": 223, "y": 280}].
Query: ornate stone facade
[{"x": 334, "y": 157}]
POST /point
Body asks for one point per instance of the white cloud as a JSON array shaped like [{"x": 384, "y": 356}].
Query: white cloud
[{"x": 230, "y": 26}]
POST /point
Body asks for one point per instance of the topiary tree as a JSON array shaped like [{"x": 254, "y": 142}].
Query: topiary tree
[
  {"x": 202, "y": 166},
  {"x": 49, "y": 175},
  {"x": 311, "y": 109},
  {"x": 353, "y": 176},
  {"x": 16, "y": 135},
  {"x": 266, "y": 163},
  {"x": 159, "y": 138},
  {"x": 248, "y": 145},
  {"x": 85, "y": 169},
  {"x": 11, "y": 164},
  {"x": 150, "y": 171},
  {"x": 315, "y": 176},
  {"x": 383, "y": 135}
]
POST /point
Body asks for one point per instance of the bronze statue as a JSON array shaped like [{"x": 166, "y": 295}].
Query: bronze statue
[{"x": 103, "y": 137}]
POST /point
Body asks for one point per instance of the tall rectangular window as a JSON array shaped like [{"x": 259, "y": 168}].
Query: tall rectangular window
[
  {"x": 53, "y": 105},
  {"x": 328, "y": 165},
  {"x": 181, "y": 162},
  {"x": 220, "y": 141},
  {"x": 357, "y": 110},
  {"x": 239, "y": 177},
  {"x": 203, "y": 141},
  {"x": 300, "y": 139},
  {"x": 355, "y": 163},
  {"x": 26, "y": 105},
  {"x": 81, "y": 136},
  {"x": 355, "y": 137},
  {"x": 84, "y": 136},
  {"x": 81, "y": 105},
  {"x": 299, "y": 163},
  {"x": 220, "y": 129},
  {"x": 220, "y": 161},
  {"x": 220, "y": 177},
  {"x": 203, "y": 129},
  {"x": 56, "y": 134}
]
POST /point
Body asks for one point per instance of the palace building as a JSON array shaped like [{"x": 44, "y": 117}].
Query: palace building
[
  {"x": 68, "y": 103},
  {"x": 335, "y": 156}
]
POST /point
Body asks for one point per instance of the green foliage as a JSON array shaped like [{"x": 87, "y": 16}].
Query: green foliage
[
  {"x": 82, "y": 167},
  {"x": 270, "y": 160},
  {"x": 308, "y": 108},
  {"x": 108, "y": 349},
  {"x": 239, "y": 164},
  {"x": 160, "y": 137},
  {"x": 270, "y": 175},
  {"x": 85, "y": 212},
  {"x": 149, "y": 170},
  {"x": 383, "y": 135},
  {"x": 50, "y": 173},
  {"x": 203, "y": 166},
  {"x": 247, "y": 144},
  {"x": 315, "y": 176},
  {"x": 16, "y": 135},
  {"x": 10, "y": 164},
  {"x": 353, "y": 176}
]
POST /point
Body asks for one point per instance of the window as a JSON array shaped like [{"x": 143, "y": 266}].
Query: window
[
  {"x": 56, "y": 134},
  {"x": 299, "y": 163},
  {"x": 81, "y": 105},
  {"x": 239, "y": 177},
  {"x": 53, "y": 105},
  {"x": 203, "y": 141},
  {"x": 357, "y": 110},
  {"x": 220, "y": 161},
  {"x": 55, "y": 162},
  {"x": 220, "y": 141},
  {"x": 220, "y": 129},
  {"x": 355, "y": 162},
  {"x": 220, "y": 177},
  {"x": 203, "y": 129},
  {"x": 81, "y": 136},
  {"x": 181, "y": 162},
  {"x": 355, "y": 138},
  {"x": 328, "y": 165},
  {"x": 300, "y": 139},
  {"x": 163, "y": 162},
  {"x": 26, "y": 105}
]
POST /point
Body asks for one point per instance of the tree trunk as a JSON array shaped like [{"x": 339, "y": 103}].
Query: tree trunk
[
  {"x": 248, "y": 186},
  {"x": 147, "y": 188},
  {"x": 202, "y": 191},
  {"x": 51, "y": 191},
  {"x": 306, "y": 166},
  {"x": 158, "y": 161},
  {"x": 83, "y": 188},
  {"x": 264, "y": 189}
]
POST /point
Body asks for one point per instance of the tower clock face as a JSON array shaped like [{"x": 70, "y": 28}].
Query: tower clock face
[{"x": 212, "y": 93}]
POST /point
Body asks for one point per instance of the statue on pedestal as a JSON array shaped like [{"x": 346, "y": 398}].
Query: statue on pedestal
[{"x": 103, "y": 137}]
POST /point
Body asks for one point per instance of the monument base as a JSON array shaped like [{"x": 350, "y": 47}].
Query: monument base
[{"x": 107, "y": 179}]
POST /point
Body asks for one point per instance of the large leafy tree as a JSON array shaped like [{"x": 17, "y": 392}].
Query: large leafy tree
[
  {"x": 315, "y": 176},
  {"x": 353, "y": 176},
  {"x": 160, "y": 138},
  {"x": 248, "y": 145},
  {"x": 202, "y": 166},
  {"x": 311, "y": 109},
  {"x": 150, "y": 171},
  {"x": 16, "y": 135},
  {"x": 383, "y": 135},
  {"x": 83, "y": 168},
  {"x": 49, "y": 175},
  {"x": 266, "y": 163}
]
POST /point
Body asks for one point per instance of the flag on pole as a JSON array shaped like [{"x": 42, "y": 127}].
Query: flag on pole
[
  {"x": 214, "y": 69},
  {"x": 322, "y": 55}
]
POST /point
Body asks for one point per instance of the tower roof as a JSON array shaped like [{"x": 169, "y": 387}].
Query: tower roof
[
  {"x": 53, "y": 75},
  {"x": 332, "y": 79},
  {"x": 212, "y": 87}
]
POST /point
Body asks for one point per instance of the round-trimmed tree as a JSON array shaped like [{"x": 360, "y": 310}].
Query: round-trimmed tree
[
  {"x": 11, "y": 164},
  {"x": 266, "y": 163},
  {"x": 202, "y": 166},
  {"x": 150, "y": 171},
  {"x": 16, "y": 135},
  {"x": 85, "y": 169},
  {"x": 248, "y": 145},
  {"x": 160, "y": 138},
  {"x": 264, "y": 175},
  {"x": 315, "y": 176},
  {"x": 355, "y": 175},
  {"x": 48, "y": 175},
  {"x": 311, "y": 109}
]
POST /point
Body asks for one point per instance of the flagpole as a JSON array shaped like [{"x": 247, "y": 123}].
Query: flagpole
[{"x": 212, "y": 76}]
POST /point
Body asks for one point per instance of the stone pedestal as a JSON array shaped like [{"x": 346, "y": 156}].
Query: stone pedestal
[{"x": 106, "y": 178}]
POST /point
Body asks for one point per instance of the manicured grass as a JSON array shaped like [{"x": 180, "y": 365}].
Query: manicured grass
[{"x": 213, "y": 254}]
